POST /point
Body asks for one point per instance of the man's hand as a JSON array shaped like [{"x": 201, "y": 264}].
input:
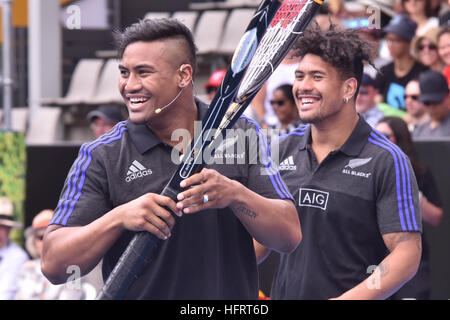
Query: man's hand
[
  {"x": 272, "y": 222},
  {"x": 149, "y": 213},
  {"x": 220, "y": 191}
]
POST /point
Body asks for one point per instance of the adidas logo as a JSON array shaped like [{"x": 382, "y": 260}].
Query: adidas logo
[
  {"x": 288, "y": 164},
  {"x": 137, "y": 170}
]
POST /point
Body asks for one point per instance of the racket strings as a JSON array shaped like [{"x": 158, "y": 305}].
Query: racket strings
[
  {"x": 277, "y": 35},
  {"x": 288, "y": 12}
]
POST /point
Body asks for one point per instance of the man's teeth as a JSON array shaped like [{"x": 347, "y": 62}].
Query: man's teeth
[
  {"x": 307, "y": 100},
  {"x": 138, "y": 100}
]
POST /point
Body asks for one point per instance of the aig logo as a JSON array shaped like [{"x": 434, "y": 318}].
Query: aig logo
[{"x": 313, "y": 198}]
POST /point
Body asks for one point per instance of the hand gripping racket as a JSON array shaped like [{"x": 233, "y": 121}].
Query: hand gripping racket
[{"x": 273, "y": 30}]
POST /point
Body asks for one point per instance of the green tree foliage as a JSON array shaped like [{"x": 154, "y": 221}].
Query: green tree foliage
[{"x": 12, "y": 174}]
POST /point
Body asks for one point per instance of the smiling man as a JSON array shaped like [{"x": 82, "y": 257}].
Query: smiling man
[
  {"x": 355, "y": 191},
  {"x": 113, "y": 188}
]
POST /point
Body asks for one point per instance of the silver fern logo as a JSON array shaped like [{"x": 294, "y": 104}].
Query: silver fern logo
[
  {"x": 227, "y": 144},
  {"x": 356, "y": 163}
]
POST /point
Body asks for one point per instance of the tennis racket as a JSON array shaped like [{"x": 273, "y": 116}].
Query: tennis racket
[{"x": 271, "y": 33}]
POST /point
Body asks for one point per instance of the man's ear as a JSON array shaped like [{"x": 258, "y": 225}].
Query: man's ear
[
  {"x": 186, "y": 74},
  {"x": 349, "y": 88}
]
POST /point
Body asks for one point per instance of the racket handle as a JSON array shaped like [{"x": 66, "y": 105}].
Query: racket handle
[
  {"x": 170, "y": 192},
  {"x": 129, "y": 266},
  {"x": 133, "y": 259}
]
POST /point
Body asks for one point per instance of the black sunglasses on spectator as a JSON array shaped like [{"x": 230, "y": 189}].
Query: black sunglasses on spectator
[
  {"x": 415, "y": 97},
  {"x": 277, "y": 102},
  {"x": 429, "y": 46}
]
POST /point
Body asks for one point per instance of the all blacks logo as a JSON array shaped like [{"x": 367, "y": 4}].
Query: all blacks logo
[{"x": 313, "y": 198}]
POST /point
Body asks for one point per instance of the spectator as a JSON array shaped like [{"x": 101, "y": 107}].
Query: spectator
[
  {"x": 421, "y": 12},
  {"x": 373, "y": 36},
  {"x": 444, "y": 14},
  {"x": 11, "y": 255},
  {"x": 398, "y": 7},
  {"x": 104, "y": 119},
  {"x": 213, "y": 83},
  {"x": 416, "y": 111},
  {"x": 283, "y": 104},
  {"x": 438, "y": 7},
  {"x": 31, "y": 283},
  {"x": 366, "y": 105},
  {"x": 434, "y": 93},
  {"x": 283, "y": 74},
  {"x": 325, "y": 17},
  {"x": 425, "y": 49},
  {"x": 444, "y": 50},
  {"x": 396, "y": 131},
  {"x": 337, "y": 8},
  {"x": 394, "y": 76}
]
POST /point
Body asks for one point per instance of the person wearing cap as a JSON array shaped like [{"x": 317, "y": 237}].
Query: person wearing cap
[
  {"x": 416, "y": 112},
  {"x": 366, "y": 104},
  {"x": 104, "y": 119},
  {"x": 213, "y": 83},
  {"x": 393, "y": 77},
  {"x": 31, "y": 283},
  {"x": 12, "y": 256},
  {"x": 434, "y": 93}
]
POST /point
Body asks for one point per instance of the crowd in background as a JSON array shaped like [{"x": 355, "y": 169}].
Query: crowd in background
[
  {"x": 404, "y": 95},
  {"x": 413, "y": 40}
]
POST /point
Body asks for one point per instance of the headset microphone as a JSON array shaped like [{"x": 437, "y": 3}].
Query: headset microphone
[{"x": 157, "y": 111}]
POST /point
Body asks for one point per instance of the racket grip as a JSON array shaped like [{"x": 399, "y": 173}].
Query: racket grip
[
  {"x": 170, "y": 192},
  {"x": 129, "y": 266},
  {"x": 133, "y": 259}
]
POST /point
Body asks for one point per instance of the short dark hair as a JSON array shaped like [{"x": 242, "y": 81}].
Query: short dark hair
[
  {"x": 429, "y": 12},
  {"x": 287, "y": 91},
  {"x": 404, "y": 141},
  {"x": 343, "y": 49},
  {"x": 156, "y": 29},
  {"x": 442, "y": 31}
]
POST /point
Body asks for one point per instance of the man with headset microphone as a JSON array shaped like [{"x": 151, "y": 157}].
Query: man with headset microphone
[{"x": 208, "y": 253}]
